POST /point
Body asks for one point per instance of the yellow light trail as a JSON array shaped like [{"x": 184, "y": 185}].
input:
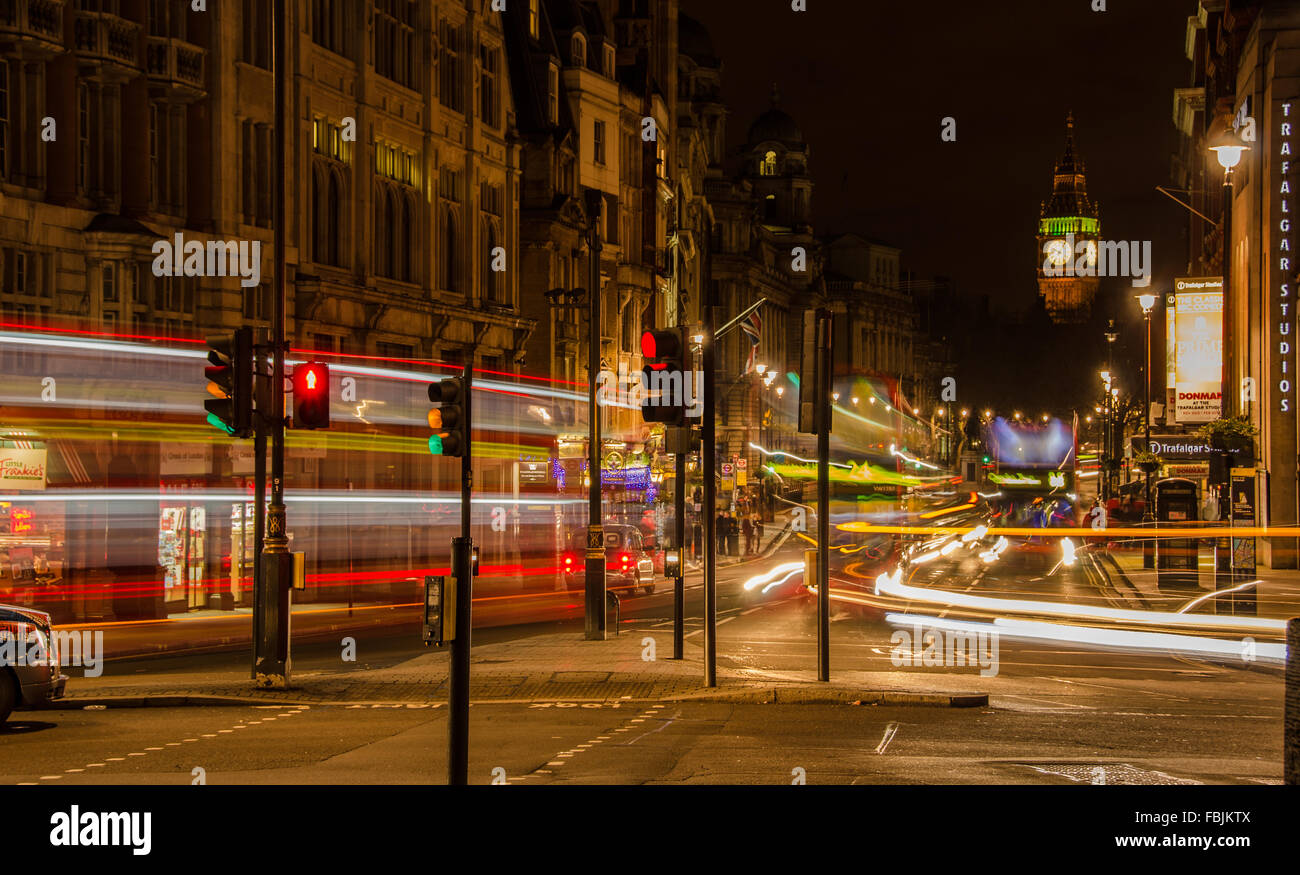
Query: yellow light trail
[{"x": 863, "y": 528}]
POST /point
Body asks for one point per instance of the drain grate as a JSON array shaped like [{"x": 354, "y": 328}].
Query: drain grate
[{"x": 1107, "y": 773}]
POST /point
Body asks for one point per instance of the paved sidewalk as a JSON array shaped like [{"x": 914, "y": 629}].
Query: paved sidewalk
[
  {"x": 555, "y": 666},
  {"x": 1277, "y": 593}
]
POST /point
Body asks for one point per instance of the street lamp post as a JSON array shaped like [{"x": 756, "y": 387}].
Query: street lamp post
[
  {"x": 1109, "y": 438},
  {"x": 1147, "y": 301},
  {"x": 1227, "y": 149},
  {"x": 594, "y": 576}
]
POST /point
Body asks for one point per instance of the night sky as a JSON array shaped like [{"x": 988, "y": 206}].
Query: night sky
[{"x": 869, "y": 82}]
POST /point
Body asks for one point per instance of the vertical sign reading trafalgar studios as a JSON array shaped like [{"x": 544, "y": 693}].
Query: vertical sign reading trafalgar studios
[
  {"x": 1281, "y": 259},
  {"x": 1198, "y": 344}
]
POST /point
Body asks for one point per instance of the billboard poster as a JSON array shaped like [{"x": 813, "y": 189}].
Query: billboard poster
[
  {"x": 22, "y": 468},
  {"x": 1198, "y": 345}
]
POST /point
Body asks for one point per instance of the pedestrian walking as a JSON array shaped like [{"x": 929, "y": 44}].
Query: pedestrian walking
[{"x": 747, "y": 529}]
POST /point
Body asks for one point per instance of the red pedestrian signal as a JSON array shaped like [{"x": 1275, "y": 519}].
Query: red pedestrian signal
[
  {"x": 311, "y": 395},
  {"x": 663, "y": 378}
]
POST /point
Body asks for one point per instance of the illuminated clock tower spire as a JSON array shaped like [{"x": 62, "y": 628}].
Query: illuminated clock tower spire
[{"x": 1069, "y": 228}]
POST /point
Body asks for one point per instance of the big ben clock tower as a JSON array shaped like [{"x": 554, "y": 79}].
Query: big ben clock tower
[{"x": 1068, "y": 232}]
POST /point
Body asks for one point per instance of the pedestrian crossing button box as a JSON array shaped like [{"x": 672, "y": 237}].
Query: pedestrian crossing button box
[{"x": 433, "y": 586}]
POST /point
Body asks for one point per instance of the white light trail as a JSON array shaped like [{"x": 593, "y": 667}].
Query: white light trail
[
  {"x": 1124, "y": 639},
  {"x": 892, "y": 585},
  {"x": 767, "y": 577}
]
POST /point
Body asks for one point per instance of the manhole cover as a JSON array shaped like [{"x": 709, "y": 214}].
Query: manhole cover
[{"x": 1106, "y": 773}]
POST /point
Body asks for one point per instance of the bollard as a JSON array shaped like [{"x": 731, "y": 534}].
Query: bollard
[{"x": 1291, "y": 714}]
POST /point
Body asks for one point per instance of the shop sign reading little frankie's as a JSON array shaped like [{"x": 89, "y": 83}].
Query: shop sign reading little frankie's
[{"x": 22, "y": 469}]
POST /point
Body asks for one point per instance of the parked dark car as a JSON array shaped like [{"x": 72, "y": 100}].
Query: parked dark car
[
  {"x": 29, "y": 660},
  {"x": 627, "y": 563}
]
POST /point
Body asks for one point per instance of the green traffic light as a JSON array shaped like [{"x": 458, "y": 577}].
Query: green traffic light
[
  {"x": 217, "y": 422},
  {"x": 435, "y": 444}
]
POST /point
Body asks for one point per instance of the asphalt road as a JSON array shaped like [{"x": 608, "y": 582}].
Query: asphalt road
[
  {"x": 635, "y": 743},
  {"x": 1058, "y": 714}
]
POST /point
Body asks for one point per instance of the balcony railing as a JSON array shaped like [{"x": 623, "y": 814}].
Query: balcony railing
[
  {"x": 39, "y": 20},
  {"x": 175, "y": 62},
  {"x": 105, "y": 37}
]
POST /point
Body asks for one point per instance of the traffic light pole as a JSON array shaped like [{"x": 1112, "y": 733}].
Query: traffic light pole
[
  {"x": 462, "y": 565},
  {"x": 708, "y": 454},
  {"x": 259, "y": 490},
  {"x": 271, "y": 667},
  {"x": 824, "y": 415},
  {"x": 679, "y": 541},
  {"x": 594, "y": 576}
]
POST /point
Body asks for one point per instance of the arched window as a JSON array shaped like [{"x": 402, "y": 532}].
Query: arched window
[
  {"x": 333, "y": 200},
  {"x": 768, "y": 165},
  {"x": 317, "y": 217},
  {"x": 450, "y": 251},
  {"x": 407, "y": 242},
  {"x": 392, "y": 219},
  {"x": 382, "y": 231},
  {"x": 579, "y": 50},
  {"x": 769, "y": 208},
  {"x": 492, "y": 285}
]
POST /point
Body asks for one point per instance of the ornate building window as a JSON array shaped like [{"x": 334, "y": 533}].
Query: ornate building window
[
  {"x": 491, "y": 282},
  {"x": 255, "y": 46},
  {"x": 553, "y": 94},
  {"x": 488, "y": 88},
  {"x": 395, "y": 50},
  {"x": 598, "y": 142},
  {"x": 451, "y": 277},
  {"x": 578, "y": 50},
  {"x": 394, "y": 232},
  {"x": 325, "y": 205},
  {"x": 328, "y": 25},
  {"x": 767, "y": 167},
  {"x": 167, "y": 157},
  {"x": 451, "y": 75},
  {"x": 256, "y": 157}
]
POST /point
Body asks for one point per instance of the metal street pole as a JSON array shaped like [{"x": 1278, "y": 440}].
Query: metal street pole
[
  {"x": 594, "y": 577},
  {"x": 1149, "y": 545},
  {"x": 679, "y": 541},
  {"x": 272, "y": 657},
  {"x": 261, "y": 402},
  {"x": 708, "y": 459},
  {"x": 1111, "y": 448},
  {"x": 462, "y": 565},
  {"x": 1291, "y": 706},
  {"x": 1223, "y": 546},
  {"x": 824, "y": 416}
]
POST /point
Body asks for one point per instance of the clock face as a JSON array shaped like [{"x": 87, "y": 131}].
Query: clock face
[
  {"x": 1058, "y": 252},
  {"x": 1090, "y": 252}
]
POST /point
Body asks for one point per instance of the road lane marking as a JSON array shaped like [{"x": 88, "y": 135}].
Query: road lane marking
[{"x": 890, "y": 731}]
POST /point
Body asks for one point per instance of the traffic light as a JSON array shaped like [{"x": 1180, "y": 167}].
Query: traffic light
[
  {"x": 662, "y": 377},
  {"x": 230, "y": 383},
  {"x": 311, "y": 395},
  {"x": 448, "y": 419}
]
